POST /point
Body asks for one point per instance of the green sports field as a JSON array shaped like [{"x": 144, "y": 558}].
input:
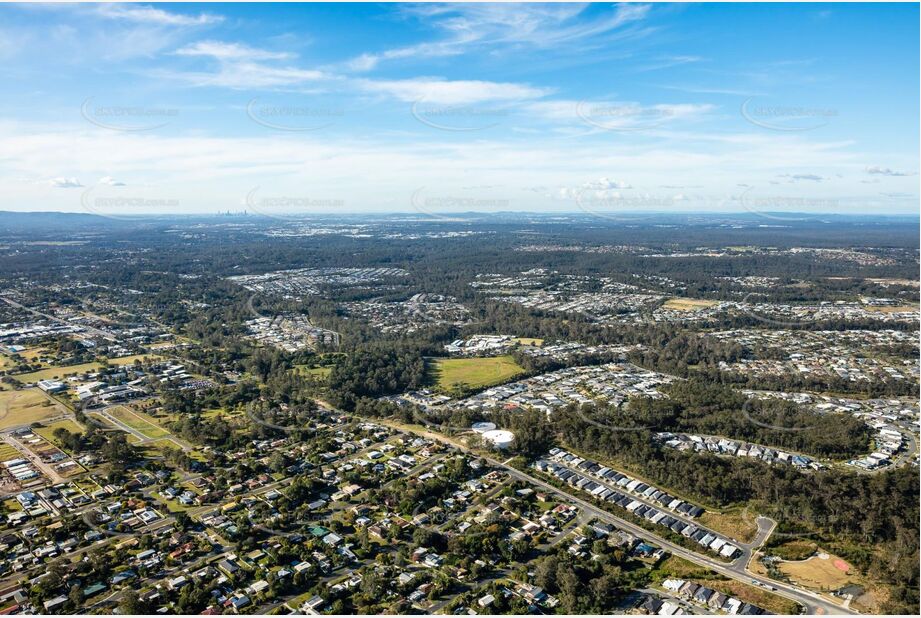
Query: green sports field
[{"x": 448, "y": 374}]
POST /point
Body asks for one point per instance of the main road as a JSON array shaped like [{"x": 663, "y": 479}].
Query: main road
[{"x": 812, "y": 602}]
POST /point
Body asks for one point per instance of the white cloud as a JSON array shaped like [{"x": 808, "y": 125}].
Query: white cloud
[
  {"x": 798, "y": 177},
  {"x": 885, "y": 171},
  {"x": 246, "y": 75},
  {"x": 145, "y": 14},
  {"x": 240, "y": 66},
  {"x": 368, "y": 61},
  {"x": 458, "y": 92},
  {"x": 506, "y": 25},
  {"x": 604, "y": 187},
  {"x": 65, "y": 183},
  {"x": 108, "y": 180},
  {"x": 606, "y": 183},
  {"x": 230, "y": 51},
  {"x": 208, "y": 172},
  {"x": 666, "y": 62},
  {"x": 616, "y": 115}
]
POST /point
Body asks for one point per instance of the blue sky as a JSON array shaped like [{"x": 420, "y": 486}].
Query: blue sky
[{"x": 435, "y": 108}]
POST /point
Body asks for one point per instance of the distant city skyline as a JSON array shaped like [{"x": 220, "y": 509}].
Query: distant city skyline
[{"x": 125, "y": 109}]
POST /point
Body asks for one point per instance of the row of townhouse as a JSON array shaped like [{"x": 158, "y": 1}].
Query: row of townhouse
[
  {"x": 709, "y": 598},
  {"x": 735, "y": 448},
  {"x": 605, "y": 491}
]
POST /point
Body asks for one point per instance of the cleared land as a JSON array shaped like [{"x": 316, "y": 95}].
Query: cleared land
[
  {"x": 7, "y": 452},
  {"x": 689, "y": 304},
  {"x": 891, "y": 308},
  {"x": 32, "y": 354},
  {"x": 25, "y": 407},
  {"x": 52, "y": 373},
  {"x": 821, "y": 572},
  {"x": 47, "y": 432},
  {"x": 530, "y": 341},
  {"x": 909, "y": 282},
  {"x": 736, "y": 525},
  {"x": 139, "y": 422},
  {"x": 320, "y": 372},
  {"x": 129, "y": 360},
  {"x": 793, "y": 549},
  {"x": 451, "y": 373}
]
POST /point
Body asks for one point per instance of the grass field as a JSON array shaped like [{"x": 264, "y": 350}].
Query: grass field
[
  {"x": 52, "y": 373},
  {"x": 139, "y": 422},
  {"x": 793, "y": 549},
  {"x": 24, "y": 407},
  {"x": 7, "y": 452},
  {"x": 689, "y": 304},
  {"x": 129, "y": 360},
  {"x": 31, "y": 354},
  {"x": 320, "y": 372},
  {"x": 530, "y": 341},
  {"x": 47, "y": 432},
  {"x": 155, "y": 449},
  {"x": 450, "y": 373},
  {"x": 891, "y": 309},
  {"x": 735, "y": 525},
  {"x": 821, "y": 572}
]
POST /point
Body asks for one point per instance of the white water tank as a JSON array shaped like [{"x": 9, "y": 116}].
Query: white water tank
[
  {"x": 483, "y": 427},
  {"x": 500, "y": 438}
]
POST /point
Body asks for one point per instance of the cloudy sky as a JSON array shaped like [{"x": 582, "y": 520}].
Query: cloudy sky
[{"x": 200, "y": 108}]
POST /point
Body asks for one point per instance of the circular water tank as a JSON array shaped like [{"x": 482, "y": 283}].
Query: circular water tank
[
  {"x": 499, "y": 438},
  {"x": 483, "y": 427}
]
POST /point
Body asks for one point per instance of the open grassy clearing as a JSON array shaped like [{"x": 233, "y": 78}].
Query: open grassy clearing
[
  {"x": 47, "y": 432},
  {"x": 891, "y": 308},
  {"x": 215, "y": 412},
  {"x": 822, "y": 572},
  {"x": 29, "y": 355},
  {"x": 33, "y": 353},
  {"x": 7, "y": 453},
  {"x": 55, "y": 373},
  {"x": 11, "y": 506},
  {"x": 450, "y": 373},
  {"x": 530, "y": 341},
  {"x": 25, "y": 407},
  {"x": 129, "y": 360},
  {"x": 320, "y": 372},
  {"x": 735, "y": 525},
  {"x": 139, "y": 422},
  {"x": 793, "y": 549},
  {"x": 689, "y": 304}
]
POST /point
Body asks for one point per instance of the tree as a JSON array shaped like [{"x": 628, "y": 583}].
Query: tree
[{"x": 131, "y": 604}]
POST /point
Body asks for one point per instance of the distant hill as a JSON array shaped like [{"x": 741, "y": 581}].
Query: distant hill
[{"x": 53, "y": 220}]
